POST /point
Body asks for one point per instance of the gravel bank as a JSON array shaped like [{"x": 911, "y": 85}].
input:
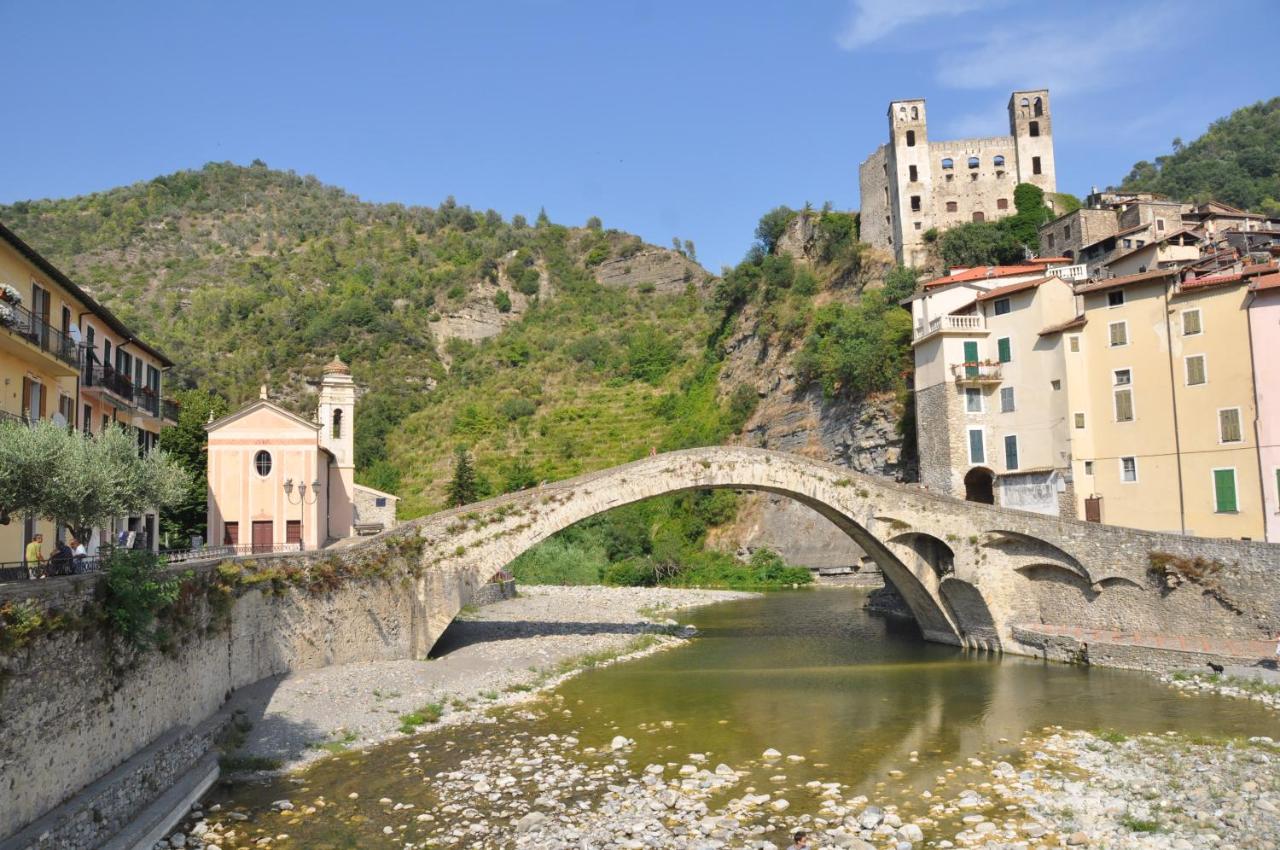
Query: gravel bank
[{"x": 491, "y": 655}]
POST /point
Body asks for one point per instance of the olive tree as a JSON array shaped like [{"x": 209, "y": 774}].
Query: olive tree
[{"x": 83, "y": 481}]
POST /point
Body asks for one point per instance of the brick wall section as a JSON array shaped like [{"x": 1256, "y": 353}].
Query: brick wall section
[{"x": 1009, "y": 568}]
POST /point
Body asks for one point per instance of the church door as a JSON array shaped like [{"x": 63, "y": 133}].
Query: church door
[{"x": 263, "y": 535}]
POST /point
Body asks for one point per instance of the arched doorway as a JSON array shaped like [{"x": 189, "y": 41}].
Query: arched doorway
[{"x": 979, "y": 486}]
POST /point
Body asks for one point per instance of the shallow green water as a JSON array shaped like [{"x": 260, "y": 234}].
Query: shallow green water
[{"x": 808, "y": 673}]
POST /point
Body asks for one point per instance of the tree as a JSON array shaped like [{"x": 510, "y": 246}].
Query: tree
[
  {"x": 979, "y": 243},
  {"x": 594, "y": 223},
  {"x": 502, "y": 301},
  {"x": 690, "y": 251},
  {"x": 464, "y": 487},
  {"x": 899, "y": 283},
  {"x": 771, "y": 227},
  {"x": 187, "y": 444},
  {"x": 84, "y": 481},
  {"x": 519, "y": 475}
]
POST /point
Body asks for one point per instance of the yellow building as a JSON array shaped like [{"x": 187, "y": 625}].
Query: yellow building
[
  {"x": 1161, "y": 401},
  {"x": 65, "y": 358}
]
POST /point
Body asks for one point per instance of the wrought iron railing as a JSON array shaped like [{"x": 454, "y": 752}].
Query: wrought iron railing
[
  {"x": 147, "y": 401},
  {"x": 35, "y": 330},
  {"x": 52, "y": 567},
  {"x": 169, "y": 410},
  {"x": 55, "y": 566},
  {"x": 106, "y": 377}
]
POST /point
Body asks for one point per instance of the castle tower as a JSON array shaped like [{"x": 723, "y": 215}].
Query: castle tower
[
  {"x": 910, "y": 179},
  {"x": 336, "y": 412},
  {"x": 1031, "y": 125}
]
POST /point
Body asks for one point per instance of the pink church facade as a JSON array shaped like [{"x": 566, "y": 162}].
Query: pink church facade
[
  {"x": 278, "y": 482},
  {"x": 1264, "y": 336}
]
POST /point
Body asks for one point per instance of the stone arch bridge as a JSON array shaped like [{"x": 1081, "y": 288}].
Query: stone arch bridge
[{"x": 969, "y": 572}]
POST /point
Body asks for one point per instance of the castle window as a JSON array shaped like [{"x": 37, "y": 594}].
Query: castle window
[
  {"x": 998, "y": 161},
  {"x": 1034, "y": 128},
  {"x": 974, "y": 162},
  {"x": 1066, "y": 231},
  {"x": 948, "y": 163},
  {"x": 337, "y": 424},
  {"x": 913, "y": 174},
  {"x": 911, "y": 138},
  {"x": 1050, "y": 240},
  {"x": 1039, "y": 110},
  {"x": 1025, "y": 102},
  {"x": 915, "y": 203},
  {"x": 1035, "y": 165},
  {"x": 978, "y": 216},
  {"x": 1128, "y": 243},
  {"x": 915, "y": 113},
  {"x": 1002, "y": 203},
  {"x": 952, "y": 207}
]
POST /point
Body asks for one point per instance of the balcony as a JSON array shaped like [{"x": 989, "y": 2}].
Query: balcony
[
  {"x": 99, "y": 379},
  {"x": 154, "y": 408},
  {"x": 26, "y": 330},
  {"x": 1075, "y": 273},
  {"x": 976, "y": 373},
  {"x": 944, "y": 324},
  {"x": 169, "y": 411}
]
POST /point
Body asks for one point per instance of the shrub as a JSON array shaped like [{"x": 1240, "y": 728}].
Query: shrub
[
  {"x": 560, "y": 562},
  {"x": 517, "y": 408},
  {"x": 134, "y": 593},
  {"x": 502, "y": 301}
]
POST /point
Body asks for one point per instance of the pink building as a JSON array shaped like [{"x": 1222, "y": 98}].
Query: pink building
[
  {"x": 1264, "y": 337},
  {"x": 280, "y": 482}
]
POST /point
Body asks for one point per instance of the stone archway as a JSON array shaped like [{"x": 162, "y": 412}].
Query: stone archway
[{"x": 980, "y": 486}]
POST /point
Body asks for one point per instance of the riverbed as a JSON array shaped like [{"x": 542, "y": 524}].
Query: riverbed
[{"x": 794, "y": 710}]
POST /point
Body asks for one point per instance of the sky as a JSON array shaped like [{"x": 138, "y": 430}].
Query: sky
[{"x": 687, "y": 118}]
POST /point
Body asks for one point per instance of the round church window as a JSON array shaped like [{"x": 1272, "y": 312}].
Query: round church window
[{"x": 262, "y": 463}]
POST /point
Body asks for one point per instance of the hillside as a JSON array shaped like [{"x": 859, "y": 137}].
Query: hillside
[
  {"x": 248, "y": 275},
  {"x": 1236, "y": 161}
]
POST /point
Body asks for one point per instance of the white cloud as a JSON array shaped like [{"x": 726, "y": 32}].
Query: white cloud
[{"x": 872, "y": 20}]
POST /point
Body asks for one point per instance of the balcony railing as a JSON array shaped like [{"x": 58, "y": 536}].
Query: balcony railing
[
  {"x": 949, "y": 323},
  {"x": 976, "y": 373},
  {"x": 21, "y": 419},
  {"x": 169, "y": 410},
  {"x": 147, "y": 401},
  {"x": 107, "y": 378},
  {"x": 55, "y": 566},
  {"x": 35, "y": 330},
  {"x": 1077, "y": 272}
]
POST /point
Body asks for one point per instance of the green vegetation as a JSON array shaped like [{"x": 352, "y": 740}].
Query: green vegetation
[
  {"x": 429, "y": 713},
  {"x": 464, "y": 488},
  {"x": 1236, "y": 161},
  {"x": 134, "y": 591},
  {"x": 1134, "y": 824},
  {"x": 335, "y": 745},
  {"x": 187, "y": 444},
  {"x": 859, "y": 349},
  {"x": 241, "y": 762},
  {"x": 1003, "y": 242}
]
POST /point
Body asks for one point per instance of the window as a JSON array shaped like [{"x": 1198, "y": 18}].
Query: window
[
  {"x": 1127, "y": 243},
  {"x": 293, "y": 531},
  {"x": 1005, "y": 349},
  {"x": 1073, "y": 343},
  {"x": 1122, "y": 377},
  {"x": 262, "y": 463},
  {"x": 952, "y": 206},
  {"x": 911, "y": 138},
  {"x": 973, "y": 176},
  {"x": 978, "y": 216},
  {"x": 1190, "y": 322},
  {"x": 337, "y": 424},
  {"x": 231, "y": 534},
  {"x": 1002, "y": 306},
  {"x": 1006, "y": 399},
  {"x": 1035, "y": 165},
  {"x": 1025, "y": 102},
  {"x": 1088, "y": 467},
  {"x": 1224, "y": 491},
  {"x": 380, "y": 502},
  {"x": 1055, "y": 384},
  {"x": 1066, "y": 231},
  {"x": 1002, "y": 203},
  {"x": 1159, "y": 224},
  {"x": 33, "y": 396},
  {"x": 974, "y": 162},
  {"x": 976, "y": 453},
  {"x": 915, "y": 113},
  {"x": 1115, "y": 298},
  {"x": 1195, "y": 370},
  {"x": 998, "y": 162},
  {"x": 1119, "y": 332},
  {"x": 1039, "y": 107},
  {"x": 972, "y": 400},
  {"x": 1129, "y": 470},
  {"x": 948, "y": 162},
  {"x": 913, "y": 174},
  {"x": 915, "y": 203},
  {"x": 1011, "y": 452},
  {"x": 86, "y": 421},
  {"x": 1140, "y": 243},
  {"x": 918, "y": 226},
  {"x": 1050, "y": 239},
  {"x": 1034, "y": 128},
  {"x": 1124, "y": 405},
  {"x": 1079, "y": 421},
  {"x": 1229, "y": 425}
]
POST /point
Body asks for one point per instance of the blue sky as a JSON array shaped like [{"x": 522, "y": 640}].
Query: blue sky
[{"x": 666, "y": 119}]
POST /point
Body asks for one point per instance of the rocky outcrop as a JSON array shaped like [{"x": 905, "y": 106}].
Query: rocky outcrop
[{"x": 667, "y": 272}]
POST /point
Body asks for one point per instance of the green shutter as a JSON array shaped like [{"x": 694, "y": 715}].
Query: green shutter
[
  {"x": 971, "y": 358},
  {"x": 1011, "y": 452},
  {"x": 1006, "y": 353},
  {"x": 1224, "y": 490},
  {"x": 975, "y": 447}
]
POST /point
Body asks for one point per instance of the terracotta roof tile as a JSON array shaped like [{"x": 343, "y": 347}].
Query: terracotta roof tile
[
  {"x": 1015, "y": 287},
  {"x": 1268, "y": 281},
  {"x": 984, "y": 273}
]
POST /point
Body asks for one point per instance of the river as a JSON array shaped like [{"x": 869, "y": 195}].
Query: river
[{"x": 844, "y": 696}]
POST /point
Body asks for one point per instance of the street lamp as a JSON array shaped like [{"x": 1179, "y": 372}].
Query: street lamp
[{"x": 302, "y": 492}]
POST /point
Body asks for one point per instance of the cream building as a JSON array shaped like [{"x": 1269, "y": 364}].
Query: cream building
[
  {"x": 278, "y": 482},
  {"x": 66, "y": 358},
  {"x": 990, "y": 368},
  {"x": 912, "y": 185},
  {"x": 1264, "y": 343},
  {"x": 1162, "y": 404}
]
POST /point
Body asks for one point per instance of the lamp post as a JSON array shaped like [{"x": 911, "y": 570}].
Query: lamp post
[{"x": 302, "y": 492}]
